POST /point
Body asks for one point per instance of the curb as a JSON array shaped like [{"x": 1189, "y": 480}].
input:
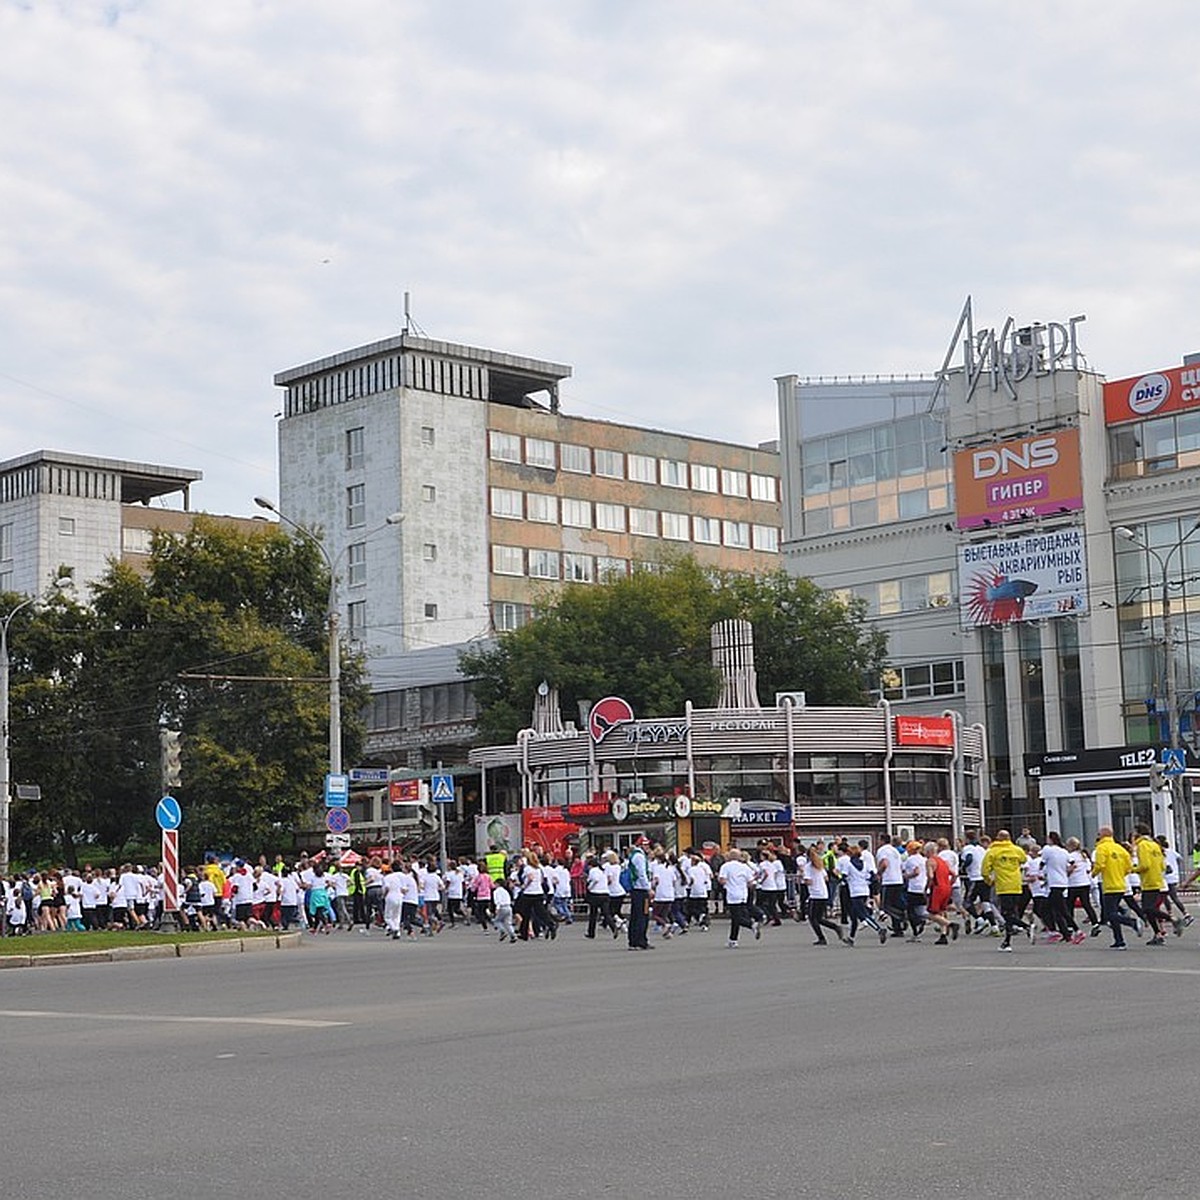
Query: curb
[{"x": 281, "y": 941}]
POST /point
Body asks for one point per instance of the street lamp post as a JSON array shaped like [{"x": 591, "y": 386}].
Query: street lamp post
[
  {"x": 1170, "y": 681},
  {"x": 333, "y": 621},
  {"x": 5, "y": 761}
]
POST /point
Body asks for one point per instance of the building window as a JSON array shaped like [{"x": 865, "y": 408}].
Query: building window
[
  {"x": 356, "y": 506},
  {"x": 428, "y": 437},
  {"x": 734, "y": 483},
  {"x": 504, "y": 447},
  {"x": 66, "y": 526},
  {"x": 428, "y": 493},
  {"x": 736, "y": 534},
  {"x": 541, "y": 508},
  {"x": 611, "y": 568},
  {"x": 429, "y": 552},
  {"x": 507, "y": 560},
  {"x": 576, "y": 459},
  {"x": 539, "y": 453},
  {"x": 610, "y": 517},
  {"x": 506, "y": 503},
  {"x": 133, "y": 541},
  {"x": 430, "y": 611},
  {"x": 577, "y": 513},
  {"x": 764, "y": 487},
  {"x": 643, "y": 521},
  {"x": 642, "y": 468},
  {"x": 610, "y": 463},
  {"x": 356, "y": 563},
  {"x": 355, "y": 453},
  {"x": 766, "y": 537},
  {"x": 578, "y": 568},
  {"x": 673, "y": 472},
  {"x": 675, "y": 526},
  {"x": 704, "y": 479},
  {"x": 356, "y": 619},
  {"x": 6, "y": 540},
  {"x": 706, "y": 530},
  {"x": 543, "y": 564},
  {"x": 507, "y": 616},
  {"x": 6, "y": 578}
]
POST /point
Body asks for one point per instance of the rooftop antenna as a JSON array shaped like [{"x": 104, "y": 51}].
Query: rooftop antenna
[{"x": 410, "y": 326}]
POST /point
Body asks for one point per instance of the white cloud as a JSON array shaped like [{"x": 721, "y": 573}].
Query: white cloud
[{"x": 682, "y": 200}]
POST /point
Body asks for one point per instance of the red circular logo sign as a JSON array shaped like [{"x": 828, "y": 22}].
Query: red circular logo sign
[{"x": 607, "y": 714}]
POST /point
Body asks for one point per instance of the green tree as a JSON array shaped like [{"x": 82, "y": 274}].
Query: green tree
[
  {"x": 647, "y": 638},
  {"x": 215, "y": 601}
]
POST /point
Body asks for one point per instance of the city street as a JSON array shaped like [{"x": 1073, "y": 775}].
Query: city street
[{"x": 457, "y": 1067}]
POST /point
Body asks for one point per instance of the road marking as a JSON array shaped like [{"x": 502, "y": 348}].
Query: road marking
[
  {"x": 1083, "y": 970},
  {"x": 285, "y": 1022}
]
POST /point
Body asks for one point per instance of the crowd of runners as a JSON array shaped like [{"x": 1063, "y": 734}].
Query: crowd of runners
[{"x": 1057, "y": 893}]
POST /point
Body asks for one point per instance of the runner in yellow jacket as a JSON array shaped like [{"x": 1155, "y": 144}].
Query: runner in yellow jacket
[
  {"x": 1112, "y": 862},
  {"x": 1002, "y": 869},
  {"x": 1151, "y": 866}
]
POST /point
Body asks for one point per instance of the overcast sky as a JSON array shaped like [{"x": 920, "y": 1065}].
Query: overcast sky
[{"x": 680, "y": 200}]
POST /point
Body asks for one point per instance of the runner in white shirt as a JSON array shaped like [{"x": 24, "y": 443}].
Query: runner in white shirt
[
  {"x": 772, "y": 885},
  {"x": 916, "y": 888},
  {"x": 699, "y": 888},
  {"x": 393, "y": 900},
  {"x": 431, "y": 899},
  {"x": 598, "y": 900},
  {"x": 890, "y": 865},
  {"x": 455, "y": 880},
  {"x": 858, "y": 881},
  {"x": 616, "y": 893},
  {"x": 1056, "y": 866},
  {"x": 662, "y": 893},
  {"x": 736, "y": 875},
  {"x": 1172, "y": 876},
  {"x": 817, "y": 880}
]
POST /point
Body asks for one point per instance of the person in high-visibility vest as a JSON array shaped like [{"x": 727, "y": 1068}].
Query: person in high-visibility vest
[{"x": 494, "y": 862}]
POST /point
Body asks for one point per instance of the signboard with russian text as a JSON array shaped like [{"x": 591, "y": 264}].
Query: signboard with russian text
[
  {"x": 916, "y": 731},
  {"x": 1034, "y": 476},
  {"x": 404, "y": 791},
  {"x": 1171, "y": 390},
  {"x": 1023, "y": 579}
]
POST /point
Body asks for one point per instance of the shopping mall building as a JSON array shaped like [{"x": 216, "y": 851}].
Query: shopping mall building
[{"x": 1025, "y": 532}]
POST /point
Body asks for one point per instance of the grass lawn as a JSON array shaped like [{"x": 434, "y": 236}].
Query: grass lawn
[{"x": 66, "y": 943}]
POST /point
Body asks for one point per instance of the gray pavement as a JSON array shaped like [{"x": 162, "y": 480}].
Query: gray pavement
[{"x": 577, "y": 1068}]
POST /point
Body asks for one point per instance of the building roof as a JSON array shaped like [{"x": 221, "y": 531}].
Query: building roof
[
  {"x": 419, "y": 668},
  {"x": 140, "y": 482},
  {"x": 511, "y": 377}
]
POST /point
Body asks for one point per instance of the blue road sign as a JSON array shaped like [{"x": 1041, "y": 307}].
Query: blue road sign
[
  {"x": 1173, "y": 761},
  {"x": 337, "y": 791},
  {"x": 441, "y": 789},
  {"x": 369, "y": 774},
  {"x": 167, "y": 813},
  {"x": 337, "y": 820}
]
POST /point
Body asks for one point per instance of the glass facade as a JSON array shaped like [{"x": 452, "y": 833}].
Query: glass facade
[
  {"x": 1166, "y": 553},
  {"x": 883, "y": 473}
]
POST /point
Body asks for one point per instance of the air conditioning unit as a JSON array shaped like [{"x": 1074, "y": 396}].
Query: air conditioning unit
[
  {"x": 905, "y": 833},
  {"x": 795, "y": 699}
]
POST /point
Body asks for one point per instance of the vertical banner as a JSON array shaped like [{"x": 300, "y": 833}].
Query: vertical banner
[{"x": 170, "y": 861}]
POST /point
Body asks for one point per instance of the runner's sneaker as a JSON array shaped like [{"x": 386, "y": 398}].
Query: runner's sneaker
[
  {"x": 1077, "y": 937},
  {"x": 732, "y": 945},
  {"x": 883, "y": 936},
  {"x": 1005, "y": 949},
  {"x": 1178, "y": 925}
]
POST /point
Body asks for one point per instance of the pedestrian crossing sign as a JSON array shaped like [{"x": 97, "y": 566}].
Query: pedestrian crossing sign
[{"x": 441, "y": 789}]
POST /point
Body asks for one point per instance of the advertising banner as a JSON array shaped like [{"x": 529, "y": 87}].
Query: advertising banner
[
  {"x": 924, "y": 731},
  {"x": 1027, "y": 477},
  {"x": 1171, "y": 390},
  {"x": 1023, "y": 579}
]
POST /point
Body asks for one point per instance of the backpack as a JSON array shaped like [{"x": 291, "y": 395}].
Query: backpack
[{"x": 626, "y": 876}]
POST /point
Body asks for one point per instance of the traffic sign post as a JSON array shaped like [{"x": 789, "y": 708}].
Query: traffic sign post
[
  {"x": 337, "y": 841},
  {"x": 1174, "y": 762},
  {"x": 337, "y": 820},
  {"x": 168, "y": 814},
  {"x": 441, "y": 792},
  {"x": 337, "y": 791},
  {"x": 370, "y": 774}
]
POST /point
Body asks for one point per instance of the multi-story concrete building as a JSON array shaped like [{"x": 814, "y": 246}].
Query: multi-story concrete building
[
  {"x": 1020, "y": 529},
  {"x": 503, "y": 495},
  {"x": 78, "y": 512}
]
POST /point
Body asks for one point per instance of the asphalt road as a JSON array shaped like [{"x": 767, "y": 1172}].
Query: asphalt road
[{"x": 456, "y": 1067}]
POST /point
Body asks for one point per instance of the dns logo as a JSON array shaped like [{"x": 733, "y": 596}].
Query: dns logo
[{"x": 1149, "y": 394}]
